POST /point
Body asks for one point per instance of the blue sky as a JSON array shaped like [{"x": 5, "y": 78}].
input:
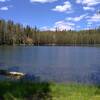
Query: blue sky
[{"x": 49, "y": 14}]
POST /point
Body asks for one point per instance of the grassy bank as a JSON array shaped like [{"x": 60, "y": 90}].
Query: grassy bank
[{"x": 47, "y": 91}]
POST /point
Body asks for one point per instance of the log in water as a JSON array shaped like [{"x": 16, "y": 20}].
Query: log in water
[{"x": 17, "y": 75}]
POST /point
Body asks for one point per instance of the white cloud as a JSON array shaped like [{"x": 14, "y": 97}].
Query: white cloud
[
  {"x": 4, "y": 0},
  {"x": 60, "y": 25},
  {"x": 94, "y": 18},
  {"x": 88, "y": 8},
  {"x": 88, "y": 2},
  {"x": 43, "y": 1},
  {"x": 63, "y": 8},
  {"x": 4, "y": 8},
  {"x": 46, "y": 28},
  {"x": 78, "y": 1},
  {"x": 89, "y": 24},
  {"x": 76, "y": 19}
]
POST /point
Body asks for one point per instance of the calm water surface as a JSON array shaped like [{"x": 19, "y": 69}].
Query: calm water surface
[{"x": 54, "y": 63}]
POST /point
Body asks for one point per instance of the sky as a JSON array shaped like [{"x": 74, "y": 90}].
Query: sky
[{"x": 52, "y": 14}]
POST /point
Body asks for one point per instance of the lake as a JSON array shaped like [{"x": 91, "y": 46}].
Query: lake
[{"x": 54, "y": 63}]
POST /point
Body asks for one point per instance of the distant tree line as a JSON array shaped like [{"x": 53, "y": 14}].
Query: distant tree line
[{"x": 16, "y": 34}]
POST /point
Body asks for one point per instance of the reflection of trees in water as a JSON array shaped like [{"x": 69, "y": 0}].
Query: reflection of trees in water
[{"x": 29, "y": 87}]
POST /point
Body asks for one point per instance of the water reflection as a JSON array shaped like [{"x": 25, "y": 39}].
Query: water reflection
[
  {"x": 95, "y": 74},
  {"x": 59, "y": 64}
]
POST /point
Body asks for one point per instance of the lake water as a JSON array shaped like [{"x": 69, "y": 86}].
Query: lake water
[{"x": 54, "y": 63}]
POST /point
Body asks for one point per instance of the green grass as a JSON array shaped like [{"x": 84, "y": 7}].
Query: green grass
[
  {"x": 75, "y": 92},
  {"x": 47, "y": 91}
]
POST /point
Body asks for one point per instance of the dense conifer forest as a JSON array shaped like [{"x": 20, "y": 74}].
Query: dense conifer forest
[{"x": 16, "y": 34}]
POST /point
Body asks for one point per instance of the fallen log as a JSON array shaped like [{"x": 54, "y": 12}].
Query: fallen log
[{"x": 12, "y": 74}]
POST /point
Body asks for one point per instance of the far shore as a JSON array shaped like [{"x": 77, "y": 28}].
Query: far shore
[{"x": 87, "y": 45}]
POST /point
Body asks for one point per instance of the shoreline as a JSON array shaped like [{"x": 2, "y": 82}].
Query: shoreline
[{"x": 87, "y": 45}]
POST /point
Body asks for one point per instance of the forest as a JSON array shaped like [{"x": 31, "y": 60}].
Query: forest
[{"x": 16, "y": 34}]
